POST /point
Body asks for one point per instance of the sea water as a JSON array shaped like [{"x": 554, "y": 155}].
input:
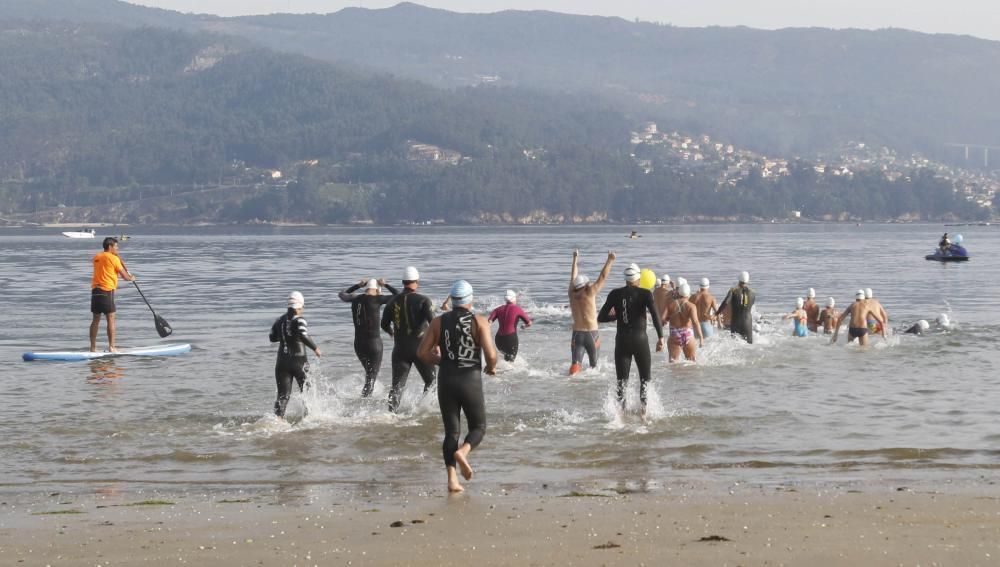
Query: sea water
[{"x": 783, "y": 409}]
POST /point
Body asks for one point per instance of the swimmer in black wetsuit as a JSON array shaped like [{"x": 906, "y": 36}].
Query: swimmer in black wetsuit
[
  {"x": 405, "y": 319},
  {"x": 292, "y": 332},
  {"x": 365, "y": 311},
  {"x": 457, "y": 342},
  {"x": 628, "y": 306},
  {"x": 740, "y": 300}
]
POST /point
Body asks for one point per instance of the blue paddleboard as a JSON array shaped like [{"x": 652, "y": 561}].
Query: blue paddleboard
[{"x": 160, "y": 350}]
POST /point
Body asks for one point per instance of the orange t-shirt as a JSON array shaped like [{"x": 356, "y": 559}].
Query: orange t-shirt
[{"x": 106, "y": 269}]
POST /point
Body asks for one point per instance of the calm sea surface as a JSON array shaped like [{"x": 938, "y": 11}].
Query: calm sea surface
[{"x": 782, "y": 409}]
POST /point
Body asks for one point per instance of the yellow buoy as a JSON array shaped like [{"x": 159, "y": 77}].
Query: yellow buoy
[{"x": 647, "y": 278}]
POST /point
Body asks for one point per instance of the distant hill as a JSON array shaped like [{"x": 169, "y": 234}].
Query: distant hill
[{"x": 793, "y": 91}]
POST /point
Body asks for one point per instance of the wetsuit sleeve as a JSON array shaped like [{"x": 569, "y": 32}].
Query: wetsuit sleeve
[
  {"x": 348, "y": 294},
  {"x": 427, "y": 311},
  {"x": 392, "y": 290},
  {"x": 523, "y": 316},
  {"x": 302, "y": 330},
  {"x": 651, "y": 308},
  {"x": 603, "y": 316},
  {"x": 386, "y": 323},
  {"x": 493, "y": 315},
  {"x": 275, "y": 334},
  {"x": 722, "y": 306}
]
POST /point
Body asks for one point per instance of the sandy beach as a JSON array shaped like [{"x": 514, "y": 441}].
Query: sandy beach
[{"x": 677, "y": 525}]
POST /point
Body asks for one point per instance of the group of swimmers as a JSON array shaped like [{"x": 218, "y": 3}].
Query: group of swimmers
[{"x": 452, "y": 348}]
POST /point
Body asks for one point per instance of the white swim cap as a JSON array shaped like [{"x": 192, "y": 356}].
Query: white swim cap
[
  {"x": 860, "y": 294},
  {"x": 665, "y": 279},
  {"x": 799, "y": 303},
  {"x": 923, "y": 324},
  {"x": 632, "y": 273},
  {"x": 580, "y": 282},
  {"x": 372, "y": 284},
  {"x": 685, "y": 290},
  {"x": 744, "y": 277},
  {"x": 461, "y": 292},
  {"x": 681, "y": 281},
  {"x": 510, "y": 296},
  {"x": 869, "y": 293},
  {"x": 830, "y": 302},
  {"x": 410, "y": 274},
  {"x": 943, "y": 320},
  {"x": 812, "y": 293},
  {"x": 295, "y": 300},
  {"x": 705, "y": 283},
  {"x": 957, "y": 239}
]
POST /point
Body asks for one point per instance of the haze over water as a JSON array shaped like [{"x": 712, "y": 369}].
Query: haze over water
[{"x": 780, "y": 410}]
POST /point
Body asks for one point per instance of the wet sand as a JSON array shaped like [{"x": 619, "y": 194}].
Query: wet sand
[{"x": 855, "y": 525}]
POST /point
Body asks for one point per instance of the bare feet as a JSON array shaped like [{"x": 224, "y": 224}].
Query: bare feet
[
  {"x": 113, "y": 349},
  {"x": 463, "y": 465},
  {"x": 453, "y": 484}
]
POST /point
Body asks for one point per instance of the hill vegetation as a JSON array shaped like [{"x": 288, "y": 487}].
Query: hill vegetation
[{"x": 151, "y": 124}]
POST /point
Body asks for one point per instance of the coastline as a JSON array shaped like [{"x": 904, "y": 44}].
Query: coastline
[{"x": 867, "y": 523}]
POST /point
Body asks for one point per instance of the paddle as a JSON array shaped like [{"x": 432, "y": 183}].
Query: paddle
[{"x": 162, "y": 327}]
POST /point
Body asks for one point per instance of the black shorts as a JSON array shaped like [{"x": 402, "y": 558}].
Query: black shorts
[
  {"x": 102, "y": 301},
  {"x": 857, "y": 332}
]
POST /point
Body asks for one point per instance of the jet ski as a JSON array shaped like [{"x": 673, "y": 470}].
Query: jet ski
[{"x": 953, "y": 253}]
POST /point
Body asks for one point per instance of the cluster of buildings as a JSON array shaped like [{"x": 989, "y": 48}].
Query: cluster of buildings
[{"x": 652, "y": 148}]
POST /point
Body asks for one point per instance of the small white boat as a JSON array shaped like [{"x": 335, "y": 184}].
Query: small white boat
[{"x": 86, "y": 233}]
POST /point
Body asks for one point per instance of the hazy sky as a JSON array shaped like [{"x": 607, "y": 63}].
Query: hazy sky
[{"x": 980, "y": 18}]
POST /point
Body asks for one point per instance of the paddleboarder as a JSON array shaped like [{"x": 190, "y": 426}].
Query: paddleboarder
[{"x": 107, "y": 267}]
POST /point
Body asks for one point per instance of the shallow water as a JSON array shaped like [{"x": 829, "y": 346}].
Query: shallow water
[{"x": 783, "y": 408}]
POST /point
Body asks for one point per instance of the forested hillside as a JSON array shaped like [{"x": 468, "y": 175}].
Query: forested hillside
[
  {"x": 788, "y": 92},
  {"x": 100, "y": 122}
]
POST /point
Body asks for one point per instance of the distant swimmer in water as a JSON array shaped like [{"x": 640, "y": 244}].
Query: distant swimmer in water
[
  {"x": 684, "y": 324},
  {"x": 292, "y": 333},
  {"x": 628, "y": 306},
  {"x": 508, "y": 315},
  {"x": 366, "y": 312},
  {"x": 741, "y": 299},
  {"x": 583, "y": 307},
  {"x": 828, "y": 316},
  {"x": 858, "y": 314},
  {"x": 800, "y": 327},
  {"x": 457, "y": 342},
  {"x": 634, "y": 234},
  {"x": 874, "y": 326},
  {"x": 918, "y": 328},
  {"x": 812, "y": 311},
  {"x": 944, "y": 322},
  {"x": 707, "y": 314},
  {"x": 405, "y": 319}
]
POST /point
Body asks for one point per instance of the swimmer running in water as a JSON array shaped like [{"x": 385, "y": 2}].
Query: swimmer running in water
[
  {"x": 628, "y": 306},
  {"x": 705, "y": 302},
  {"x": 508, "y": 315},
  {"x": 740, "y": 300},
  {"x": 812, "y": 311},
  {"x": 405, "y": 319},
  {"x": 366, "y": 313},
  {"x": 662, "y": 295},
  {"x": 683, "y": 317},
  {"x": 292, "y": 332},
  {"x": 583, "y": 307},
  {"x": 457, "y": 341},
  {"x": 828, "y": 316},
  {"x": 858, "y": 314},
  {"x": 873, "y": 326},
  {"x": 799, "y": 319}
]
